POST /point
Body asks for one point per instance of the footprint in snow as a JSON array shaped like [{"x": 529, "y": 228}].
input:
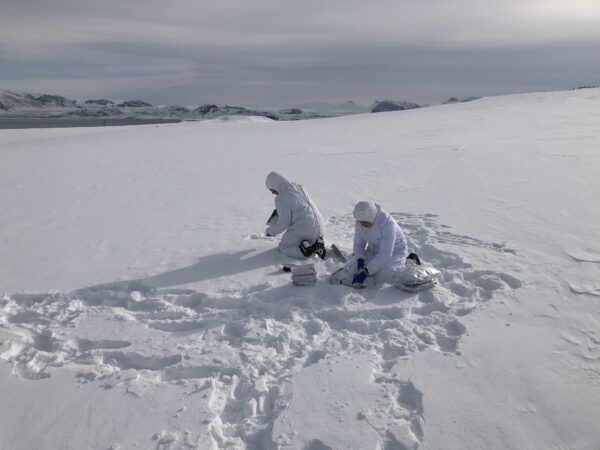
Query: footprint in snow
[{"x": 239, "y": 347}]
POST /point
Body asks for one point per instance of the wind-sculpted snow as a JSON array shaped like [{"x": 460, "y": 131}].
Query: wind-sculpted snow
[{"x": 240, "y": 349}]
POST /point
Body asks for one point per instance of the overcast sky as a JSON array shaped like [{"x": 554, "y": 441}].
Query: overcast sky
[{"x": 278, "y": 52}]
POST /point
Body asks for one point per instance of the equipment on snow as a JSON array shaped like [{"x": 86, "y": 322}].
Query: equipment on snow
[
  {"x": 304, "y": 275},
  {"x": 345, "y": 276},
  {"x": 414, "y": 276},
  {"x": 303, "y": 269},
  {"x": 338, "y": 253}
]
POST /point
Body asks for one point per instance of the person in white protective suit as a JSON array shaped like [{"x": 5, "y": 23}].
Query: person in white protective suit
[
  {"x": 297, "y": 215},
  {"x": 379, "y": 245}
]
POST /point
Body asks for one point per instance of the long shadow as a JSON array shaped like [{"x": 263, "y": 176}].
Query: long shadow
[
  {"x": 207, "y": 268},
  {"x": 215, "y": 266}
]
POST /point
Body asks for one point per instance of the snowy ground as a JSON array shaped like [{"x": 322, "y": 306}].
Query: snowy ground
[{"x": 143, "y": 308}]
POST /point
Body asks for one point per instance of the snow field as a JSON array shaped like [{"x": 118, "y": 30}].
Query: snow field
[
  {"x": 143, "y": 308},
  {"x": 240, "y": 348}
]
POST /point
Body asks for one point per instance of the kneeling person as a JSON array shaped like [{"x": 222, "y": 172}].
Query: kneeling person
[
  {"x": 298, "y": 216},
  {"x": 379, "y": 244}
]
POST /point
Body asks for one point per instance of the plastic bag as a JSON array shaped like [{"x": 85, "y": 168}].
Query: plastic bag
[
  {"x": 415, "y": 277},
  {"x": 304, "y": 275}
]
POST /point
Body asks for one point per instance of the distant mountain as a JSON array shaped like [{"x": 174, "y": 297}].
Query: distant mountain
[
  {"x": 17, "y": 104},
  {"x": 210, "y": 111},
  {"x": 99, "y": 101},
  {"x": 177, "y": 110},
  {"x": 55, "y": 100},
  {"x": 332, "y": 109},
  {"x": 456, "y": 100},
  {"x": 109, "y": 111},
  {"x": 135, "y": 104},
  {"x": 391, "y": 105},
  {"x": 26, "y": 105},
  {"x": 11, "y": 100},
  {"x": 291, "y": 111}
]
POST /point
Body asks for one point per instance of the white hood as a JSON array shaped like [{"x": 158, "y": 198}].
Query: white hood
[
  {"x": 276, "y": 182},
  {"x": 366, "y": 211}
]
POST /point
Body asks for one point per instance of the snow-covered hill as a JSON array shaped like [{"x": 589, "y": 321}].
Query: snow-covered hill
[
  {"x": 144, "y": 308},
  {"x": 27, "y": 105},
  {"x": 392, "y": 105},
  {"x": 15, "y": 102}
]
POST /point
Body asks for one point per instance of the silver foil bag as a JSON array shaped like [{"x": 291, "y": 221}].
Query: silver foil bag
[{"x": 413, "y": 277}]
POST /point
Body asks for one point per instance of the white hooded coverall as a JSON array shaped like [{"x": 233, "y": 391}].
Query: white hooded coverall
[
  {"x": 297, "y": 215},
  {"x": 383, "y": 246}
]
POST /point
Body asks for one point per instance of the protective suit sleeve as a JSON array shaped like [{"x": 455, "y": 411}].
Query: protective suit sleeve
[
  {"x": 359, "y": 243},
  {"x": 386, "y": 248},
  {"x": 284, "y": 216}
]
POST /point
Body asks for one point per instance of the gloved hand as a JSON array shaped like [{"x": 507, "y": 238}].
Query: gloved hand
[
  {"x": 359, "y": 278},
  {"x": 360, "y": 263}
]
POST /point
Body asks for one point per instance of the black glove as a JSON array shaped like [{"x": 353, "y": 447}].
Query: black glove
[{"x": 272, "y": 216}]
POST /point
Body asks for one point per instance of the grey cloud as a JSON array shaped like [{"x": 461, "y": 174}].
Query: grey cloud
[
  {"x": 429, "y": 23},
  {"x": 271, "y": 51}
]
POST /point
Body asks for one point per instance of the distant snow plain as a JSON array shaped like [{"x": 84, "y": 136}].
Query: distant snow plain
[{"x": 143, "y": 307}]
